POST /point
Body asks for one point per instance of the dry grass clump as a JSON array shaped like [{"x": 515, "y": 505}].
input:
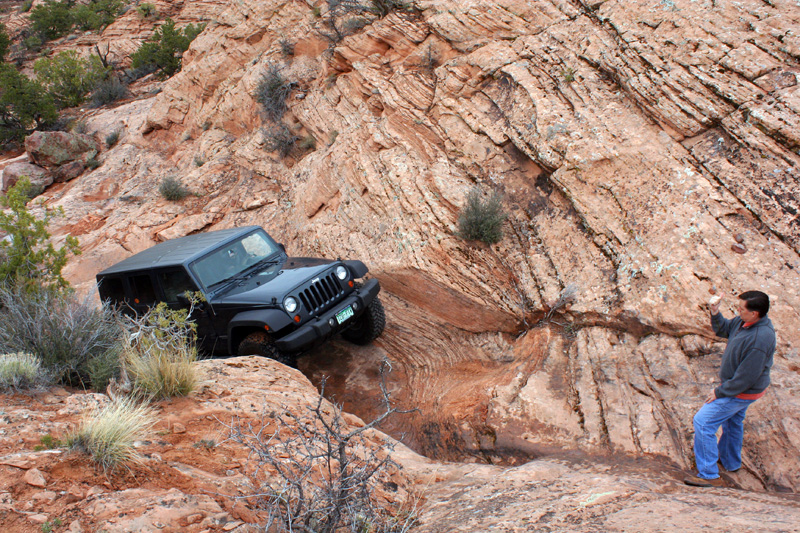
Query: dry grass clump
[
  {"x": 159, "y": 359},
  {"x": 162, "y": 374},
  {"x": 109, "y": 433},
  {"x": 20, "y": 371}
]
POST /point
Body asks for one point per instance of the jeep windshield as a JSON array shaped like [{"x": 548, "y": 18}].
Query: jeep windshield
[{"x": 233, "y": 260}]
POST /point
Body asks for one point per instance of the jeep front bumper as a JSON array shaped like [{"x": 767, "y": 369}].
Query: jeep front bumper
[{"x": 325, "y": 326}]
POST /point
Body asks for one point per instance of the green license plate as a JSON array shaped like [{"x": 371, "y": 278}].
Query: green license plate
[{"x": 344, "y": 314}]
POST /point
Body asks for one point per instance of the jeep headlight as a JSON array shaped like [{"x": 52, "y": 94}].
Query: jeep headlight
[
  {"x": 290, "y": 304},
  {"x": 341, "y": 272}
]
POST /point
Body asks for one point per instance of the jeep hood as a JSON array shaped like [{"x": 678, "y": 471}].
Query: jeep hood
[{"x": 260, "y": 288}]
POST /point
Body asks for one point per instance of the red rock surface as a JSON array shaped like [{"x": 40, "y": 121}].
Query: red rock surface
[{"x": 632, "y": 141}]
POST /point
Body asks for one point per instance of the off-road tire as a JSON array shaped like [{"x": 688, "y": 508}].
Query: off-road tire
[
  {"x": 368, "y": 326},
  {"x": 259, "y": 343}
]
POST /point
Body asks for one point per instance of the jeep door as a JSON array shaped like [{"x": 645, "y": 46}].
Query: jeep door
[{"x": 174, "y": 283}]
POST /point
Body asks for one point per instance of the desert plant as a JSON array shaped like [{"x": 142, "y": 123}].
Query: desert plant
[
  {"x": 287, "y": 47},
  {"x": 565, "y": 297},
  {"x": 5, "y": 42},
  {"x": 272, "y": 91},
  {"x": 20, "y": 370},
  {"x": 79, "y": 126},
  {"x": 108, "y": 434},
  {"x": 93, "y": 163},
  {"x": 146, "y": 10},
  {"x": 482, "y": 219},
  {"x": 162, "y": 52},
  {"x": 199, "y": 161},
  {"x": 315, "y": 472},
  {"x": 47, "y": 442},
  {"x": 25, "y": 105},
  {"x": 112, "y": 138},
  {"x": 162, "y": 374},
  {"x": 97, "y": 14},
  {"x": 52, "y": 19},
  {"x": 26, "y": 6},
  {"x": 69, "y": 77},
  {"x": 568, "y": 74},
  {"x": 30, "y": 259},
  {"x": 307, "y": 143},
  {"x": 160, "y": 353},
  {"x": 172, "y": 189},
  {"x": 280, "y": 139},
  {"x": 107, "y": 91},
  {"x": 66, "y": 333}
]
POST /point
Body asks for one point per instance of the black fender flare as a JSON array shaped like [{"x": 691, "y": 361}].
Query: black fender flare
[
  {"x": 358, "y": 268},
  {"x": 275, "y": 319}
]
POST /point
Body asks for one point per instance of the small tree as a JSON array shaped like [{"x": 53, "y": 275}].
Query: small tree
[
  {"x": 24, "y": 105},
  {"x": 482, "y": 219},
  {"x": 5, "y": 42},
  {"x": 69, "y": 77},
  {"x": 29, "y": 258},
  {"x": 97, "y": 14},
  {"x": 163, "y": 51},
  {"x": 52, "y": 19}
]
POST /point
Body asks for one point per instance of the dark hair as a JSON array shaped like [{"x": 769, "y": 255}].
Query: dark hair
[{"x": 756, "y": 301}]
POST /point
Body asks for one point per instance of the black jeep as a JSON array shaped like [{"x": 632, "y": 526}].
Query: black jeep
[{"x": 258, "y": 301}]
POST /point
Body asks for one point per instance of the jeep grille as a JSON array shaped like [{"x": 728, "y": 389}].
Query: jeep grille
[{"x": 321, "y": 294}]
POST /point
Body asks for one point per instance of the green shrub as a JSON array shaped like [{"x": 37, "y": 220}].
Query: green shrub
[
  {"x": 108, "y": 434},
  {"x": 112, "y": 138},
  {"x": 52, "y": 19},
  {"x": 272, "y": 92},
  {"x": 30, "y": 259},
  {"x": 146, "y": 11},
  {"x": 97, "y": 14},
  {"x": 47, "y": 442},
  {"x": 5, "y": 42},
  {"x": 69, "y": 333},
  {"x": 172, "y": 189},
  {"x": 280, "y": 139},
  {"x": 20, "y": 371},
  {"x": 25, "y": 105},
  {"x": 68, "y": 77},
  {"x": 26, "y": 6},
  {"x": 482, "y": 219},
  {"x": 108, "y": 91},
  {"x": 162, "y": 52},
  {"x": 33, "y": 43},
  {"x": 93, "y": 163}
]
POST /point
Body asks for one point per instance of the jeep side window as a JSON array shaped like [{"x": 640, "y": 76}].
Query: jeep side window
[
  {"x": 111, "y": 289},
  {"x": 174, "y": 283},
  {"x": 143, "y": 291}
]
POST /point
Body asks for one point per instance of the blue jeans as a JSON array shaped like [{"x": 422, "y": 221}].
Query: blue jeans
[{"x": 728, "y": 413}]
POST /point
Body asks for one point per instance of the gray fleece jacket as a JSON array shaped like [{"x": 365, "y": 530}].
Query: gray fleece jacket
[{"x": 748, "y": 356}]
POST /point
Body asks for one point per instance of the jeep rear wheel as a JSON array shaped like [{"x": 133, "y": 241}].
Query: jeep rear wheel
[
  {"x": 259, "y": 343},
  {"x": 368, "y": 326}
]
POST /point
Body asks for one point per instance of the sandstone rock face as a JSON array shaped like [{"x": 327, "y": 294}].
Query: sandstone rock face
[
  {"x": 634, "y": 143},
  {"x": 53, "y": 149},
  {"x": 40, "y": 178}
]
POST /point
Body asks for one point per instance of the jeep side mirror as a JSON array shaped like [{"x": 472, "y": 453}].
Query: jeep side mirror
[{"x": 282, "y": 247}]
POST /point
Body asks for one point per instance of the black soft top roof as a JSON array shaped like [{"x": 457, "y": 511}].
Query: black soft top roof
[{"x": 178, "y": 252}]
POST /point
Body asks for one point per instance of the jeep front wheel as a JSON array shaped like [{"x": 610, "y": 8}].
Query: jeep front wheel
[
  {"x": 368, "y": 326},
  {"x": 259, "y": 343}
]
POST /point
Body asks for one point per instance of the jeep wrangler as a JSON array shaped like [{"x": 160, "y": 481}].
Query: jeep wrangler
[{"x": 258, "y": 301}]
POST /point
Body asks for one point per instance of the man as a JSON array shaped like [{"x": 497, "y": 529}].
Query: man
[{"x": 744, "y": 376}]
